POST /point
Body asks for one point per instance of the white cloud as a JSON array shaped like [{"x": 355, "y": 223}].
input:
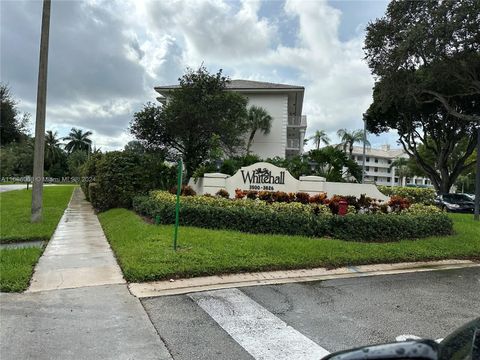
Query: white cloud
[
  {"x": 106, "y": 57},
  {"x": 213, "y": 30}
]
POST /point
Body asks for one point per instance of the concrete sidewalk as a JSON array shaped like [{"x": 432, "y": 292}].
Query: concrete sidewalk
[
  {"x": 78, "y": 253},
  {"x": 78, "y": 305}
]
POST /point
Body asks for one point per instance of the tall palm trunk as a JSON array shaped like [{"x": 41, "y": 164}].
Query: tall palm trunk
[{"x": 250, "y": 140}]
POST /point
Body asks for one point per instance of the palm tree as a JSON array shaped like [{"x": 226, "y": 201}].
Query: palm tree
[
  {"x": 348, "y": 139},
  {"x": 52, "y": 147},
  {"x": 78, "y": 140},
  {"x": 401, "y": 168},
  {"x": 258, "y": 119},
  {"x": 319, "y": 137}
]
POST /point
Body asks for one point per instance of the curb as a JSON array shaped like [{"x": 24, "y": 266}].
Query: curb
[{"x": 206, "y": 283}]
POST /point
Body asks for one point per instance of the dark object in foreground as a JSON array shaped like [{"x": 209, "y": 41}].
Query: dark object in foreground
[
  {"x": 455, "y": 203},
  {"x": 462, "y": 344}
]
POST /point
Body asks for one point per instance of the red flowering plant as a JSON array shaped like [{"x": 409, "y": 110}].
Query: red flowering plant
[
  {"x": 265, "y": 196},
  {"x": 333, "y": 204},
  {"x": 398, "y": 203},
  {"x": 223, "y": 193},
  {"x": 302, "y": 197},
  {"x": 239, "y": 194},
  {"x": 280, "y": 196},
  {"x": 251, "y": 194},
  {"x": 318, "y": 198}
]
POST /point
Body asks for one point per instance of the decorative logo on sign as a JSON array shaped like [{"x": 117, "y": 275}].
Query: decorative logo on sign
[{"x": 262, "y": 176}]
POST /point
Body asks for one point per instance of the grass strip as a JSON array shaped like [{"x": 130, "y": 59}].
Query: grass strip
[
  {"x": 15, "y": 213},
  {"x": 16, "y": 268},
  {"x": 145, "y": 253}
]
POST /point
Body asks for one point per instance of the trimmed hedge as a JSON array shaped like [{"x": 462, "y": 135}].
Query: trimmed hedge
[
  {"x": 389, "y": 227},
  {"x": 234, "y": 218},
  {"x": 271, "y": 220},
  {"x": 114, "y": 178},
  {"x": 414, "y": 195}
]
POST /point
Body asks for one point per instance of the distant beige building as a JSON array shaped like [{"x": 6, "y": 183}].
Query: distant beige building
[
  {"x": 377, "y": 166},
  {"x": 283, "y": 102}
]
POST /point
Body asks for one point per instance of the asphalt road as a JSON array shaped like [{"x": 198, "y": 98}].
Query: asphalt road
[{"x": 303, "y": 320}]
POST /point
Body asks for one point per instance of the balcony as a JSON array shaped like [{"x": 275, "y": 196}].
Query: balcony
[
  {"x": 293, "y": 144},
  {"x": 297, "y": 121}
]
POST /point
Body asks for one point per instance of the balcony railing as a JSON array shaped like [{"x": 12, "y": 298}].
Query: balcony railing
[
  {"x": 297, "y": 121},
  {"x": 293, "y": 144}
]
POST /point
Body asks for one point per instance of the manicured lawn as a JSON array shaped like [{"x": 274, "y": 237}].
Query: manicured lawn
[
  {"x": 15, "y": 213},
  {"x": 145, "y": 252},
  {"x": 16, "y": 268},
  {"x": 16, "y": 265}
]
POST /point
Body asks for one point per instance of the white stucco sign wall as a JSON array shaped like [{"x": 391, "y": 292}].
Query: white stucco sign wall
[{"x": 264, "y": 176}]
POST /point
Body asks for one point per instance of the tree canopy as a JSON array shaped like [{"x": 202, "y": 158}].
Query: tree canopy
[
  {"x": 194, "y": 113},
  {"x": 334, "y": 164},
  {"x": 78, "y": 140},
  {"x": 258, "y": 119},
  {"x": 349, "y": 138},
  {"x": 12, "y": 125},
  {"x": 319, "y": 137},
  {"x": 425, "y": 56}
]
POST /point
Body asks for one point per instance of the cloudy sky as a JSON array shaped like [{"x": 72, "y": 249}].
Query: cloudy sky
[{"x": 106, "y": 56}]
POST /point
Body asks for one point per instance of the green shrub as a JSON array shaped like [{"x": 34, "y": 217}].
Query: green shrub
[
  {"x": 93, "y": 195},
  {"x": 414, "y": 195},
  {"x": 89, "y": 171},
  {"x": 235, "y": 218},
  {"x": 389, "y": 227},
  {"x": 255, "y": 216},
  {"x": 423, "y": 209},
  {"x": 118, "y": 176}
]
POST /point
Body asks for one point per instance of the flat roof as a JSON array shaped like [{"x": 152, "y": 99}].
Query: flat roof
[{"x": 238, "y": 84}]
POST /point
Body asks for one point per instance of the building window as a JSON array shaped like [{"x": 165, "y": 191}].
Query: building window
[
  {"x": 389, "y": 162},
  {"x": 396, "y": 179},
  {"x": 360, "y": 158},
  {"x": 376, "y": 169},
  {"x": 389, "y": 171},
  {"x": 367, "y": 159},
  {"x": 367, "y": 168},
  {"x": 375, "y": 178},
  {"x": 376, "y": 160}
]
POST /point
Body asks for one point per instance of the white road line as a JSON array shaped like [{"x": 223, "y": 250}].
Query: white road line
[
  {"x": 406, "y": 337},
  {"x": 256, "y": 329}
]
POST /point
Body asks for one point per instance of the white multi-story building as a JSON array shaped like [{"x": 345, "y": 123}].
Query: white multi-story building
[
  {"x": 283, "y": 103},
  {"x": 378, "y": 166}
]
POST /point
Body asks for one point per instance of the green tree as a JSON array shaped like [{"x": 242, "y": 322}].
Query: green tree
[
  {"x": 16, "y": 158},
  {"x": 350, "y": 138},
  {"x": 297, "y": 166},
  {"x": 402, "y": 169},
  {"x": 53, "y": 152},
  {"x": 196, "y": 111},
  {"x": 427, "y": 82},
  {"x": 436, "y": 58},
  {"x": 12, "y": 127},
  {"x": 258, "y": 120},
  {"x": 75, "y": 162},
  {"x": 135, "y": 146},
  {"x": 319, "y": 137},
  {"x": 78, "y": 140},
  {"x": 333, "y": 164}
]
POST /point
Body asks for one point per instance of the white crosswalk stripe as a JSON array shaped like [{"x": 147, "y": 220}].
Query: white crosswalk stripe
[{"x": 256, "y": 329}]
